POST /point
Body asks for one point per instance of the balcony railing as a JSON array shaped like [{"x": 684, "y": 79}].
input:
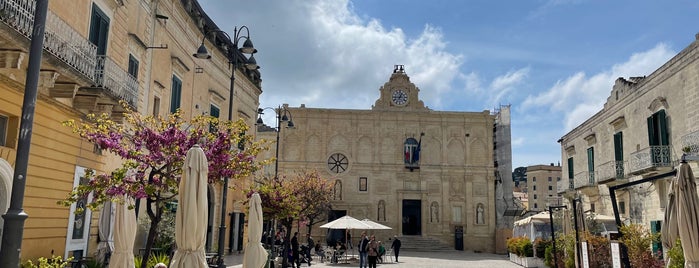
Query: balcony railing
[
  {"x": 612, "y": 170},
  {"x": 584, "y": 178},
  {"x": 691, "y": 142},
  {"x": 60, "y": 39},
  {"x": 651, "y": 157},
  {"x": 119, "y": 83}
]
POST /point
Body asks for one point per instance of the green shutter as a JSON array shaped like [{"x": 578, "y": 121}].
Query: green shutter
[
  {"x": 570, "y": 168},
  {"x": 618, "y": 147},
  {"x": 176, "y": 94},
  {"x": 591, "y": 164},
  {"x": 651, "y": 131},
  {"x": 99, "y": 29},
  {"x": 662, "y": 125}
]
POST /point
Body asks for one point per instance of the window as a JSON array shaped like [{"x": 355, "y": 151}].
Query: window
[
  {"x": 550, "y": 188},
  {"x": 619, "y": 154},
  {"x": 99, "y": 29},
  {"x": 133, "y": 66},
  {"x": 533, "y": 179},
  {"x": 592, "y": 207},
  {"x": 549, "y": 178},
  {"x": 558, "y": 178},
  {"x": 536, "y": 205},
  {"x": 214, "y": 112},
  {"x": 534, "y": 196},
  {"x": 411, "y": 152},
  {"x": 3, "y": 129},
  {"x": 658, "y": 138},
  {"x": 591, "y": 164},
  {"x": 362, "y": 184},
  {"x": 156, "y": 106},
  {"x": 622, "y": 207},
  {"x": 571, "y": 178},
  {"x": 176, "y": 94},
  {"x": 534, "y": 187}
]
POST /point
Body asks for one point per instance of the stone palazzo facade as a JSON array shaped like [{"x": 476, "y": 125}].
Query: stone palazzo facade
[{"x": 421, "y": 172}]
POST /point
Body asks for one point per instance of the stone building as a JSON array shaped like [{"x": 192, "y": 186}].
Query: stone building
[
  {"x": 95, "y": 53},
  {"x": 422, "y": 172},
  {"x": 542, "y": 181},
  {"x": 642, "y": 131}
]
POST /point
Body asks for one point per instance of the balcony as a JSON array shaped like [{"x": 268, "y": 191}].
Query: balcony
[
  {"x": 649, "y": 159},
  {"x": 99, "y": 78},
  {"x": 60, "y": 39},
  {"x": 612, "y": 170},
  {"x": 584, "y": 179},
  {"x": 118, "y": 83},
  {"x": 690, "y": 142},
  {"x": 562, "y": 186}
]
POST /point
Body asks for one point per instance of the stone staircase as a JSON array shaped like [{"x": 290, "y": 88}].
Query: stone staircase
[{"x": 423, "y": 244}]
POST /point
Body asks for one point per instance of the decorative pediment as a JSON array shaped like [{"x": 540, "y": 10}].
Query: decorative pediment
[
  {"x": 618, "y": 123},
  {"x": 657, "y": 104},
  {"x": 179, "y": 65},
  {"x": 591, "y": 139},
  {"x": 570, "y": 150}
]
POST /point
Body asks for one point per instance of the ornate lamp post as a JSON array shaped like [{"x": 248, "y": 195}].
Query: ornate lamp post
[
  {"x": 283, "y": 115},
  {"x": 250, "y": 64}
]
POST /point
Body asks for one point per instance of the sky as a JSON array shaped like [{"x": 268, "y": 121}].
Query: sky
[{"x": 553, "y": 61}]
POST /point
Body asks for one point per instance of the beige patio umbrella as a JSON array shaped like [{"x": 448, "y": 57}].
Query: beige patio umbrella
[
  {"x": 255, "y": 254},
  {"x": 105, "y": 232},
  {"x": 668, "y": 231},
  {"x": 190, "y": 223},
  {"x": 687, "y": 204},
  {"x": 124, "y": 235},
  {"x": 375, "y": 225}
]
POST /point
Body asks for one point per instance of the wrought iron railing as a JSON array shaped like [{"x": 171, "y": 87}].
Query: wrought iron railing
[
  {"x": 583, "y": 179},
  {"x": 119, "y": 83},
  {"x": 610, "y": 171},
  {"x": 652, "y": 156},
  {"x": 60, "y": 39},
  {"x": 690, "y": 142}
]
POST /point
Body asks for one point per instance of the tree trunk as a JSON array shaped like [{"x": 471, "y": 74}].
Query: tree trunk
[
  {"x": 288, "y": 222},
  {"x": 152, "y": 231}
]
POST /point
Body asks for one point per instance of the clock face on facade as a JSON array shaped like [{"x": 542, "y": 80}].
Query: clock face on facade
[
  {"x": 337, "y": 163},
  {"x": 399, "y": 97}
]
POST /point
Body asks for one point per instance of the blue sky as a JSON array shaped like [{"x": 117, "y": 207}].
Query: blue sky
[{"x": 554, "y": 61}]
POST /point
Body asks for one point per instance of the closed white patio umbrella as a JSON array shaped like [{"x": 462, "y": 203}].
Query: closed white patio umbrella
[
  {"x": 124, "y": 235},
  {"x": 687, "y": 204},
  {"x": 255, "y": 254},
  {"x": 190, "y": 223}
]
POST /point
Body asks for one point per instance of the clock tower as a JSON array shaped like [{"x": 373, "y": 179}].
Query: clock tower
[{"x": 399, "y": 93}]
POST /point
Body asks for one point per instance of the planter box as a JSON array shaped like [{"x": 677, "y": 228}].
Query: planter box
[{"x": 528, "y": 262}]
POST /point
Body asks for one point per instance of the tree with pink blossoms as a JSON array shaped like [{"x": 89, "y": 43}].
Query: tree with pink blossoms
[
  {"x": 300, "y": 197},
  {"x": 153, "y": 150}
]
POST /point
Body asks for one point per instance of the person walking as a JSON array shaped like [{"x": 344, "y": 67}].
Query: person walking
[
  {"x": 372, "y": 251},
  {"x": 310, "y": 244},
  {"x": 396, "y": 246},
  {"x": 362, "y": 247},
  {"x": 295, "y": 251}
]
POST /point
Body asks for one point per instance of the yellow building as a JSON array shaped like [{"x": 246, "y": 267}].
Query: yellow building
[{"x": 97, "y": 52}]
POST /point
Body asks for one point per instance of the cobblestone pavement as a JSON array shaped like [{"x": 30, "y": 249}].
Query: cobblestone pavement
[{"x": 450, "y": 259}]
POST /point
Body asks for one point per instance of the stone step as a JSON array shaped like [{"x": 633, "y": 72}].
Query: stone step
[{"x": 420, "y": 243}]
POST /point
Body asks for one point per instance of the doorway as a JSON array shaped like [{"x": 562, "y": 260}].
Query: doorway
[{"x": 412, "y": 217}]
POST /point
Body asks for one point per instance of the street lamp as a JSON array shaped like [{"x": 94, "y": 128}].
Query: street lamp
[
  {"x": 553, "y": 233},
  {"x": 250, "y": 64},
  {"x": 15, "y": 215},
  {"x": 283, "y": 115}
]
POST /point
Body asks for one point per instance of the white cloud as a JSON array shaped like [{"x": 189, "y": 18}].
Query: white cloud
[
  {"x": 578, "y": 97},
  {"x": 323, "y": 54}
]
